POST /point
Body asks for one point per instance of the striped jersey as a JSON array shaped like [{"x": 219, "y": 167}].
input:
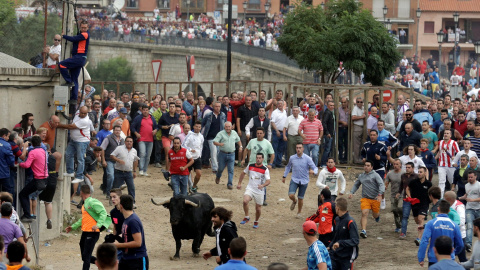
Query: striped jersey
[
  {"x": 306, "y": 107},
  {"x": 257, "y": 176},
  {"x": 447, "y": 150},
  {"x": 311, "y": 130},
  {"x": 318, "y": 253},
  {"x": 475, "y": 144}
]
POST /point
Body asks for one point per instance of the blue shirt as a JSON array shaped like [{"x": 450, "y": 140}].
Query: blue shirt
[
  {"x": 317, "y": 253},
  {"x": 435, "y": 80},
  {"x": 446, "y": 264},
  {"x": 131, "y": 226},
  {"x": 300, "y": 168},
  {"x": 101, "y": 135},
  {"x": 235, "y": 265}
]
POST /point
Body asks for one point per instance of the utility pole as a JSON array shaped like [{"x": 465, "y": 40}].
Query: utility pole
[{"x": 229, "y": 42}]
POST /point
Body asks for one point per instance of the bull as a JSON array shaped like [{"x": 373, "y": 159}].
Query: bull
[{"x": 190, "y": 219}]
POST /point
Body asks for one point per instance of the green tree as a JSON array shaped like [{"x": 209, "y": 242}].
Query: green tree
[
  {"x": 25, "y": 39},
  {"x": 319, "y": 39},
  {"x": 7, "y": 14},
  {"x": 112, "y": 70}
]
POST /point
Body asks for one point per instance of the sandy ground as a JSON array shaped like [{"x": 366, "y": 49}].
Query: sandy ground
[{"x": 278, "y": 239}]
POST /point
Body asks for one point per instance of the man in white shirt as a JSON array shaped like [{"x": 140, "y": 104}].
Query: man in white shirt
[
  {"x": 277, "y": 123},
  {"x": 467, "y": 144},
  {"x": 55, "y": 51},
  {"x": 77, "y": 147},
  {"x": 358, "y": 115},
  {"x": 194, "y": 143},
  {"x": 329, "y": 178},
  {"x": 388, "y": 117},
  {"x": 401, "y": 108},
  {"x": 291, "y": 128}
]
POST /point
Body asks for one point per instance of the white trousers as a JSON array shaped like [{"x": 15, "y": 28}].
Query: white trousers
[{"x": 445, "y": 173}]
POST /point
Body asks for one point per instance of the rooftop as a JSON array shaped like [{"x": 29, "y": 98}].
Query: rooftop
[
  {"x": 450, "y": 5},
  {"x": 7, "y": 61}
]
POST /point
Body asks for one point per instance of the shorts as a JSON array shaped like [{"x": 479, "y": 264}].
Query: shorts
[
  {"x": 166, "y": 142},
  {"x": 420, "y": 209},
  {"x": 301, "y": 189},
  {"x": 49, "y": 192},
  {"x": 197, "y": 164},
  {"x": 366, "y": 203},
  {"x": 257, "y": 197},
  {"x": 434, "y": 87}
]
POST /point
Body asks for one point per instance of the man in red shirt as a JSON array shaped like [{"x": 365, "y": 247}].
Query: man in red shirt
[
  {"x": 144, "y": 127},
  {"x": 461, "y": 124},
  {"x": 180, "y": 159}
]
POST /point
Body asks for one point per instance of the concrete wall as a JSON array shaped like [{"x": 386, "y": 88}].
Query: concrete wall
[{"x": 210, "y": 65}]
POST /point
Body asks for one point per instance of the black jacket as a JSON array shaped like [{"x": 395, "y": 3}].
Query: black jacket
[
  {"x": 346, "y": 234},
  {"x": 406, "y": 140},
  {"x": 417, "y": 126},
  {"x": 328, "y": 123},
  {"x": 227, "y": 233}
]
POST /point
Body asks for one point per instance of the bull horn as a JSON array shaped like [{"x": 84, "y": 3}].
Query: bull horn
[
  {"x": 191, "y": 203},
  {"x": 162, "y": 203}
]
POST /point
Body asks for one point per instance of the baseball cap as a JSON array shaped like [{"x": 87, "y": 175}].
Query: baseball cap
[
  {"x": 123, "y": 110},
  {"x": 309, "y": 227}
]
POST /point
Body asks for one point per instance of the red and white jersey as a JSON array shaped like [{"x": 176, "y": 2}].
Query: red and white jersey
[
  {"x": 447, "y": 151},
  {"x": 307, "y": 107}
]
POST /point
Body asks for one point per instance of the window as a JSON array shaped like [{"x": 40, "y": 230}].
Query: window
[
  {"x": 254, "y": 4},
  {"x": 193, "y": 4},
  {"x": 404, "y": 8},
  {"x": 429, "y": 28},
  {"x": 377, "y": 8},
  {"x": 163, "y": 4},
  {"x": 132, "y": 4}
]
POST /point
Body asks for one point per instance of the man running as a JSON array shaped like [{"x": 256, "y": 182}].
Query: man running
[
  {"x": 372, "y": 191},
  {"x": 259, "y": 177},
  {"x": 418, "y": 189},
  {"x": 329, "y": 178}
]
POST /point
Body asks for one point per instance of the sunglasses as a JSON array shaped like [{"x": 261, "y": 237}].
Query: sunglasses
[
  {"x": 409, "y": 114},
  {"x": 359, "y": 101},
  {"x": 57, "y": 39}
]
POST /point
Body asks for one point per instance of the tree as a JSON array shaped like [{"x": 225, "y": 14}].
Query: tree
[
  {"x": 7, "y": 14},
  {"x": 319, "y": 39},
  {"x": 114, "y": 69}
]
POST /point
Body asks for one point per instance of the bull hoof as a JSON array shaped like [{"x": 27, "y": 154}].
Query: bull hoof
[
  {"x": 174, "y": 258},
  {"x": 196, "y": 255}
]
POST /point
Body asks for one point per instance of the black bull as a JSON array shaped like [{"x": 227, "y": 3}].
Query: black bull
[{"x": 190, "y": 219}]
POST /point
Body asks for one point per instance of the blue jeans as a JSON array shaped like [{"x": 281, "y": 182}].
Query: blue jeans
[
  {"x": 471, "y": 215},
  {"x": 228, "y": 160},
  {"x": 327, "y": 148},
  {"x": 76, "y": 149},
  {"x": 110, "y": 170},
  {"x": 145, "y": 151},
  {"x": 127, "y": 177},
  {"x": 407, "y": 208},
  {"x": 279, "y": 145},
  {"x": 213, "y": 155},
  {"x": 179, "y": 184},
  {"x": 311, "y": 150}
]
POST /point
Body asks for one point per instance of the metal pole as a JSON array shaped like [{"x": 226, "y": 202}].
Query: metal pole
[
  {"x": 229, "y": 41},
  {"x": 44, "y": 65},
  {"x": 440, "y": 60},
  {"x": 350, "y": 127},
  {"x": 454, "y": 47},
  {"x": 478, "y": 73},
  {"x": 416, "y": 46}
]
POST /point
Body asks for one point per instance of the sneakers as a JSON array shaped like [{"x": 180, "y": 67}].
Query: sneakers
[
  {"x": 124, "y": 186},
  {"x": 49, "y": 224},
  {"x": 134, "y": 206},
  {"x": 265, "y": 203},
  {"x": 141, "y": 173},
  {"x": 77, "y": 180},
  {"x": 26, "y": 219},
  {"x": 158, "y": 165},
  {"x": 363, "y": 234},
  {"x": 255, "y": 225},
  {"x": 245, "y": 220},
  {"x": 292, "y": 206},
  {"x": 230, "y": 186},
  {"x": 69, "y": 174},
  {"x": 417, "y": 242},
  {"x": 299, "y": 216},
  {"x": 383, "y": 205},
  {"x": 146, "y": 174},
  {"x": 468, "y": 248},
  {"x": 402, "y": 236},
  {"x": 397, "y": 230},
  {"x": 166, "y": 174},
  {"x": 377, "y": 219},
  {"x": 72, "y": 202}
]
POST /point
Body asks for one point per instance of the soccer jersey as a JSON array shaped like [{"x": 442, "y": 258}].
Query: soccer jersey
[
  {"x": 448, "y": 150},
  {"x": 317, "y": 253},
  {"x": 257, "y": 176},
  {"x": 307, "y": 107}
]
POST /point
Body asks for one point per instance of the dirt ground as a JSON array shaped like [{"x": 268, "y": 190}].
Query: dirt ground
[{"x": 278, "y": 239}]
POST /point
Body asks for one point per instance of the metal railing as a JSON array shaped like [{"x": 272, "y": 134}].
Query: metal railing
[{"x": 133, "y": 37}]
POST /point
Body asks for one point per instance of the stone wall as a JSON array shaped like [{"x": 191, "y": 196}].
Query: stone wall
[{"x": 210, "y": 65}]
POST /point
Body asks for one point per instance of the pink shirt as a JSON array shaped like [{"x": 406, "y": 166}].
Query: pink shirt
[
  {"x": 311, "y": 130},
  {"x": 146, "y": 129},
  {"x": 37, "y": 160}
]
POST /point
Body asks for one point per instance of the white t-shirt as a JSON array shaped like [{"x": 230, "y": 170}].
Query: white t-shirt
[
  {"x": 257, "y": 176},
  {"x": 82, "y": 133},
  {"x": 358, "y": 112}
]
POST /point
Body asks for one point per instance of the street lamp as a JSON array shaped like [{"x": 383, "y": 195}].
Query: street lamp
[
  {"x": 388, "y": 25},
  {"x": 291, "y": 8},
  {"x": 440, "y": 41},
  {"x": 477, "y": 51},
  {"x": 455, "y": 19},
  {"x": 419, "y": 13},
  {"x": 323, "y": 5},
  {"x": 267, "y": 8},
  {"x": 188, "y": 13},
  {"x": 385, "y": 11},
  {"x": 245, "y": 5}
]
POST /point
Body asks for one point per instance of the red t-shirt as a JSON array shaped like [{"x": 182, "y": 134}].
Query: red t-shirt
[
  {"x": 177, "y": 160},
  {"x": 146, "y": 128}
]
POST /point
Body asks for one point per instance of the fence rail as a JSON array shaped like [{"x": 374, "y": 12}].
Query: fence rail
[{"x": 260, "y": 52}]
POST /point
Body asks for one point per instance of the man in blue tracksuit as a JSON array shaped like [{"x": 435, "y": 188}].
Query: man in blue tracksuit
[
  {"x": 376, "y": 152},
  {"x": 384, "y": 136},
  {"x": 441, "y": 225},
  {"x": 70, "y": 68}
]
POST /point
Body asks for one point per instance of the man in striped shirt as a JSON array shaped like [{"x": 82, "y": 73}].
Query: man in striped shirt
[
  {"x": 311, "y": 131},
  {"x": 447, "y": 150},
  {"x": 475, "y": 139}
]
